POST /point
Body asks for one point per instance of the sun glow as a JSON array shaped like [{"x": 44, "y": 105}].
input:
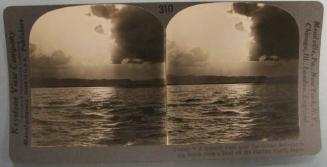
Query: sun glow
[{"x": 225, "y": 35}]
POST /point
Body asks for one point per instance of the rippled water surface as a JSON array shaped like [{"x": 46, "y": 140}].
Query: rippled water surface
[
  {"x": 229, "y": 113},
  {"x": 105, "y": 116},
  {"x": 98, "y": 116}
]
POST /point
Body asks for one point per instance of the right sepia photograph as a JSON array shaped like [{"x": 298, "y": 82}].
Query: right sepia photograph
[{"x": 232, "y": 74}]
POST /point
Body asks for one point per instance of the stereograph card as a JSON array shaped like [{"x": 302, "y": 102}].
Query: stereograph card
[{"x": 163, "y": 81}]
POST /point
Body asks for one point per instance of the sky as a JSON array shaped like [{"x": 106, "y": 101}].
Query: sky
[
  {"x": 125, "y": 42},
  {"x": 73, "y": 32},
  {"x": 86, "y": 38},
  {"x": 226, "y": 37}
]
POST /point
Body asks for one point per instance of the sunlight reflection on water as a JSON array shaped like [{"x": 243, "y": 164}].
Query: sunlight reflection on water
[
  {"x": 98, "y": 116},
  {"x": 105, "y": 116},
  {"x": 229, "y": 113}
]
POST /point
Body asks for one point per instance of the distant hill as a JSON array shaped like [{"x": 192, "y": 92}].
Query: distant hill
[
  {"x": 171, "y": 80},
  {"x": 54, "y": 82},
  {"x": 208, "y": 79}
]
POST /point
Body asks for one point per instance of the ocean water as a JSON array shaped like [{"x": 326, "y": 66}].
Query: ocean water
[
  {"x": 98, "y": 116},
  {"x": 231, "y": 113},
  {"x": 189, "y": 114}
]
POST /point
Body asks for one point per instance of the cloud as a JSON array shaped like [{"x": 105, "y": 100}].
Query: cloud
[
  {"x": 275, "y": 32},
  {"x": 239, "y": 26},
  {"x": 47, "y": 66},
  {"x": 180, "y": 57},
  {"x": 32, "y": 48},
  {"x": 138, "y": 71},
  {"x": 247, "y": 9},
  {"x": 99, "y": 29},
  {"x": 104, "y": 10},
  {"x": 138, "y": 34}
]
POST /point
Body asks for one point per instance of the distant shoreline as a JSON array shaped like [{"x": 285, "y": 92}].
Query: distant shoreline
[
  {"x": 54, "y": 83},
  {"x": 171, "y": 80},
  {"x": 196, "y": 80}
]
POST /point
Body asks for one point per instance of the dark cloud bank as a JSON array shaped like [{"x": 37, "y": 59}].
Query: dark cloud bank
[
  {"x": 140, "y": 39},
  {"x": 275, "y": 32},
  {"x": 138, "y": 34}
]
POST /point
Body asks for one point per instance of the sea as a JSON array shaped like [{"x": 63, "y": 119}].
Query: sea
[{"x": 172, "y": 115}]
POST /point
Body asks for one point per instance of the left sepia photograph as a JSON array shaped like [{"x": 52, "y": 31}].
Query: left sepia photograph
[{"x": 97, "y": 77}]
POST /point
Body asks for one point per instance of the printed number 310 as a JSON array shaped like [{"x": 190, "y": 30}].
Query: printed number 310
[{"x": 166, "y": 8}]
